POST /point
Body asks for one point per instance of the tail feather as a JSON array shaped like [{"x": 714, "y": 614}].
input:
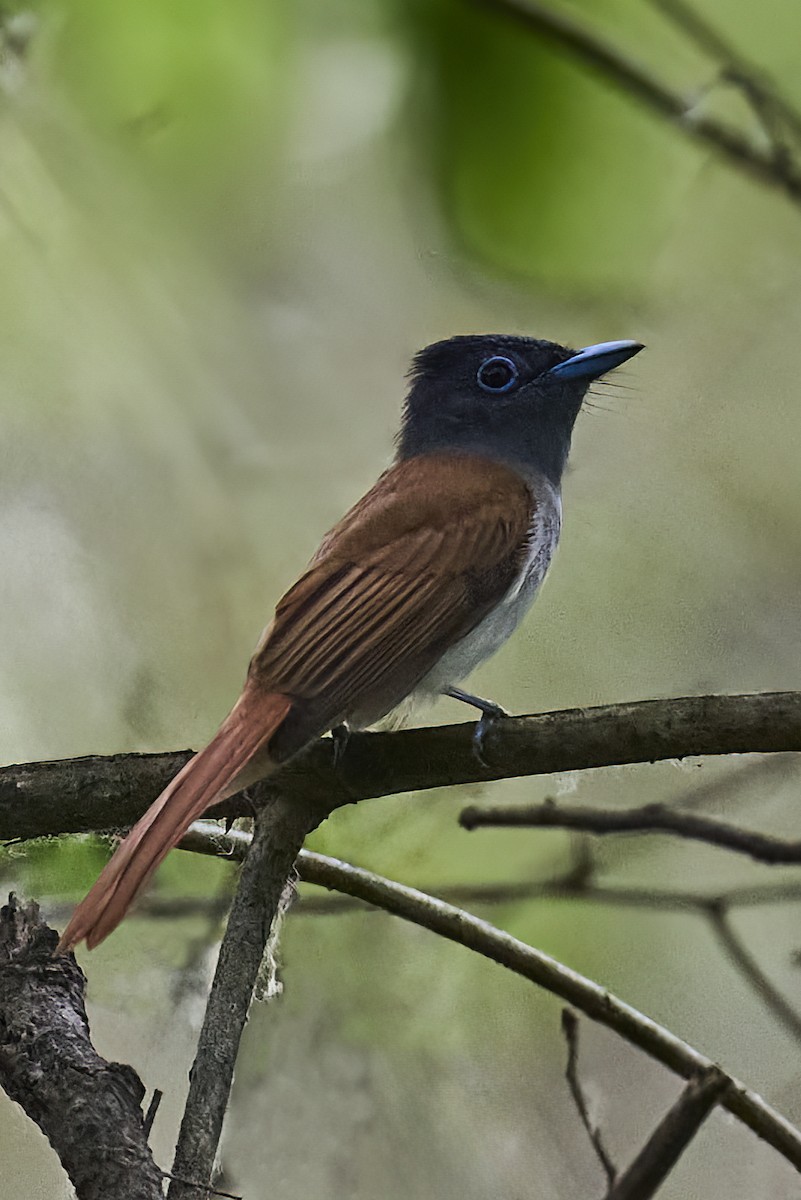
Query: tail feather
[{"x": 205, "y": 779}]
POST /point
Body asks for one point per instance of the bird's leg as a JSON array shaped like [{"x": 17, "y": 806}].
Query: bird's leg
[
  {"x": 340, "y": 736},
  {"x": 490, "y": 713}
]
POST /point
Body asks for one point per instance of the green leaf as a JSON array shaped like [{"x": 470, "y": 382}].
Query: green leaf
[{"x": 545, "y": 171}]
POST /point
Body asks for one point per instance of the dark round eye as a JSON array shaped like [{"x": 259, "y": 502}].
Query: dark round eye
[{"x": 497, "y": 374}]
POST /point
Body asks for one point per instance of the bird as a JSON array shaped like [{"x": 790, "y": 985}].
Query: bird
[{"x": 422, "y": 580}]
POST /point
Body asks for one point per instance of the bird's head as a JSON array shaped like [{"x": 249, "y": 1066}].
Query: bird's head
[{"x": 515, "y": 399}]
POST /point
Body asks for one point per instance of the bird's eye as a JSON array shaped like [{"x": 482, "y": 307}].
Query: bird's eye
[{"x": 497, "y": 374}]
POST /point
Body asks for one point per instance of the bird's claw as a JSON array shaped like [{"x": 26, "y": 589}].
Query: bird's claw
[
  {"x": 491, "y": 713},
  {"x": 488, "y": 719}
]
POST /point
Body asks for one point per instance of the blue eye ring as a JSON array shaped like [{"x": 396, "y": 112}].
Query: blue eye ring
[{"x": 497, "y": 374}]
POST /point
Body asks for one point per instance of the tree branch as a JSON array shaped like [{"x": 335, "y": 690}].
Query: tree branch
[
  {"x": 775, "y": 112},
  {"x": 268, "y": 861},
  {"x": 650, "y": 818},
  {"x": 750, "y": 969},
  {"x": 632, "y": 77},
  {"x": 88, "y": 1109},
  {"x": 715, "y": 908},
  {"x": 90, "y": 794},
  {"x": 671, "y": 1137},
  {"x": 570, "y": 1028},
  {"x": 582, "y": 993}
]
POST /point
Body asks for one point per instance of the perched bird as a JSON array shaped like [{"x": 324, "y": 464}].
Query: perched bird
[{"x": 425, "y": 577}]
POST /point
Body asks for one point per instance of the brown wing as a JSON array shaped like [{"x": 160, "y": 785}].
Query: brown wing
[{"x": 413, "y": 567}]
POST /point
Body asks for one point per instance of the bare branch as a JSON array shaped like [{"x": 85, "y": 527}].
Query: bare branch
[
  {"x": 152, "y": 1109},
  {"x": 268, "y": 861},
  {"x": 570, "y": 1028},
  {"x": 88, "y": 1109},
  {"x": 582, "y": 993},
  {"x": 632, "y": 77},
  {"x": 773, "y": 109},
  {"x": 713, "y": 908},
  {"x": 90, "y": 794},
  {"x": 724, "y": 786},
  {"x": 748, "y": 967},
  {"x": 578, "y": 884},
  {"x": 650, "y": 818},
  {"x": 672, "y": 1136}
]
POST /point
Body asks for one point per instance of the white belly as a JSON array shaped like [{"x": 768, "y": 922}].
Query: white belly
[{"x": 483, "y": 641}]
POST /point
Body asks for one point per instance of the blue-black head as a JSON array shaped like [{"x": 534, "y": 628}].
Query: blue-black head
[{"x": 514, "y": 399}]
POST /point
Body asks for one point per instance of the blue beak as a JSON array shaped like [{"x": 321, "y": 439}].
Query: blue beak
[{"x": 594, "y": 361}]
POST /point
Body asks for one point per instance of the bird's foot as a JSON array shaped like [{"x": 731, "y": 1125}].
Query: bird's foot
[
  {"x": 491, "y": 713},
  {"x": 340, "y": 736}
]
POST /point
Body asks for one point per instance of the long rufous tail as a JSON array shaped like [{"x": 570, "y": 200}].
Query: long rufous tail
[{"x": 206, "y": 778}]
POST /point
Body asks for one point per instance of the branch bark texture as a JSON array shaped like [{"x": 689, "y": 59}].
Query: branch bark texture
[
  {"x": 650, "y": 818},
  {"x": 88, "y": 1109},
  {"x": 671, "y": 1137},
  {"x": 95, "y": 793},
  {"x": 268, "y": 863}
]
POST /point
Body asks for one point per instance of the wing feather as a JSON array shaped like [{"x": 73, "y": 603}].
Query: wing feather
[{"x": 410, "y": 570}]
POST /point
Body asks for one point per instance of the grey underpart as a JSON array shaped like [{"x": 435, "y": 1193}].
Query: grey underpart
[{"x": 490, "y": 634}]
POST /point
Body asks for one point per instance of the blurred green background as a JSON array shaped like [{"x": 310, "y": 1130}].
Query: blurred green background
[{"x": 225, "y": 226}]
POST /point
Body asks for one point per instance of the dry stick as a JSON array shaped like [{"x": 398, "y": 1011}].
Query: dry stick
[
  {"x": 152, "y": 1109},
  {"x": 671, "y": 1137},
  {"x": 661, "y": 899},
  {"x": 279, "y": 832},
  {"x": 763, "y": 94},
  {"x": 89, "y": 794},
  {"x": 657, "y": 818},
  {"x": 572, "y": 885},
  {"x": 650, "y": 818},
  {"x": 582, "y": 993},
  {"x": 714, "y": 908},
  {"x": 749, "y": 968},
  {"x": 570, "y": 1028},
  {"x": 637, "y": 80}
]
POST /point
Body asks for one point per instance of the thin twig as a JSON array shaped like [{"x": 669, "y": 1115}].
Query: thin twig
[
  {"x": 575, "y": 884},
  {"x": 152, "y": 1109},
  {"x": 672, "y": 1136},
  {"x": 591, "y": 49},
  {"x": 582, "y": 993},
  {"x": 649, "y": 818},
  {"x": 206, "y": 838},
  {"x": 570, "y": 1028},
  {"x": 561, "y": 888},
  {"x": 724, "y": 786},
  {"x": 279, "y": 832},
  {"x": 762, "y": 93},
  {"x": 747, "y": 965},
  {"x": 91, "y": 794},
  {"x": 201, "y": 1188}
]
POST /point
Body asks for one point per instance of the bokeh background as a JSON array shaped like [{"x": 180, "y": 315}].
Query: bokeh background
[{"x": 224, "y": 229}]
